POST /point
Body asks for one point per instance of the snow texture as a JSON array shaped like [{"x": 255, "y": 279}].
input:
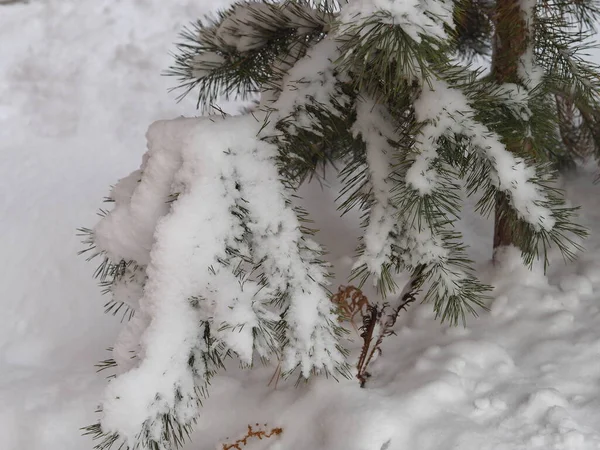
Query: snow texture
[
  {"x": 417, "y": 18},
  {"x": 310, "y": 79},
  {"x": 522, "y": 377},
  {"x": 373, "y": 126}
]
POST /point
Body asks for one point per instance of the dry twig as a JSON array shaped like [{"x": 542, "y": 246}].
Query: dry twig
[
  {"x": 350, "y": 301},
  {"x": 379, "y": 321},
  {"x": 260, "y": 434}
]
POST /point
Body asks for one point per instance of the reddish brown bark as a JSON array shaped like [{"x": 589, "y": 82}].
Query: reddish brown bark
[{"x": 510, "y": 43}]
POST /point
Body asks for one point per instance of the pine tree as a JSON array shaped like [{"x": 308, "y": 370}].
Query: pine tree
[
  {"x": 561, "y": 34},
  {"x": 540, "y": 47},
  {"x": 206, "y": 250}
]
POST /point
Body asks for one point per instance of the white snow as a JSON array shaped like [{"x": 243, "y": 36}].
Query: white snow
[
  {"x": 529, "y": 72},
  {"x": 373, "y": 127},
  {"x": 80, "y": 85},
  {"x": 417, "y": 18},
  {"x": 211, "y": 171},
  {"x": 387, "y": 231},
  {"x": 311, "y": 78}
]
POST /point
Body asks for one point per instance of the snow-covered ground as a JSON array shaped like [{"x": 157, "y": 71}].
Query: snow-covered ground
[{"x": 79, "y": 84}]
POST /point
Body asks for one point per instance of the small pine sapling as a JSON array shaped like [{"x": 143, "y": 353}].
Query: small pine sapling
[{"x": 208, "y": 248}]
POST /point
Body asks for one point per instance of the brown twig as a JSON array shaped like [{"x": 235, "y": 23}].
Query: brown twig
[
  {"x": 377, "y": 324},
  {"x": 350, "y": 301},
  {"x": 370, "y": 321},
  {"x": 260, "y": 434}
]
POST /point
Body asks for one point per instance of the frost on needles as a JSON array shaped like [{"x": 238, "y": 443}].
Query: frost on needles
[{"x": 205, "y": 247}]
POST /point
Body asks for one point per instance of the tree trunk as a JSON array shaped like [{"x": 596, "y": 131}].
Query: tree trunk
[
  {"x": 510, "y": 44},
  {"x": 502, "y": 224}
]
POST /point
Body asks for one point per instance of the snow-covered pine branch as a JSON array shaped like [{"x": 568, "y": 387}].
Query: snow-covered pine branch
[
  {"x": 374, "y": 126},
  {"x": 228, "y": 268}
]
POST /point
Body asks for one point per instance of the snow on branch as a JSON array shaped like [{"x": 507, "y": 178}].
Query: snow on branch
[
  {"x": 206, "y": 244},
  {"x": 374, "y": 127},
  {"x": 247, "y": 26},
  {"x": 242, "y": 49},
  {"x": 417, "y": 18},
  {"x": 225, "y": 257},
  {"x": 406, "y": 232},
  {"x": 310, "y": 80},
  {"x": 529, "y": 71},
  {"x": 444, "y": 110},
  {"x": 307, "y": 112}
]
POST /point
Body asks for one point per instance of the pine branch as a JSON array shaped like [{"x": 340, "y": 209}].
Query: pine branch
[
  {"x": 472, "y": 33},
  {"x": 246, "y": 48}
]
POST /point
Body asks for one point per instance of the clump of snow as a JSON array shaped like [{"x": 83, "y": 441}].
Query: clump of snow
[
  {"x": 446, "y": 110},
  {"x": 373, "y": 126},
  {"x": 310, "y": 80},
  {"x": 216, "y": 178},
  {"x": 142, "y": 198},
  {"x": 529, "y": 72},
  {"x": 417, "y": 18}
]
